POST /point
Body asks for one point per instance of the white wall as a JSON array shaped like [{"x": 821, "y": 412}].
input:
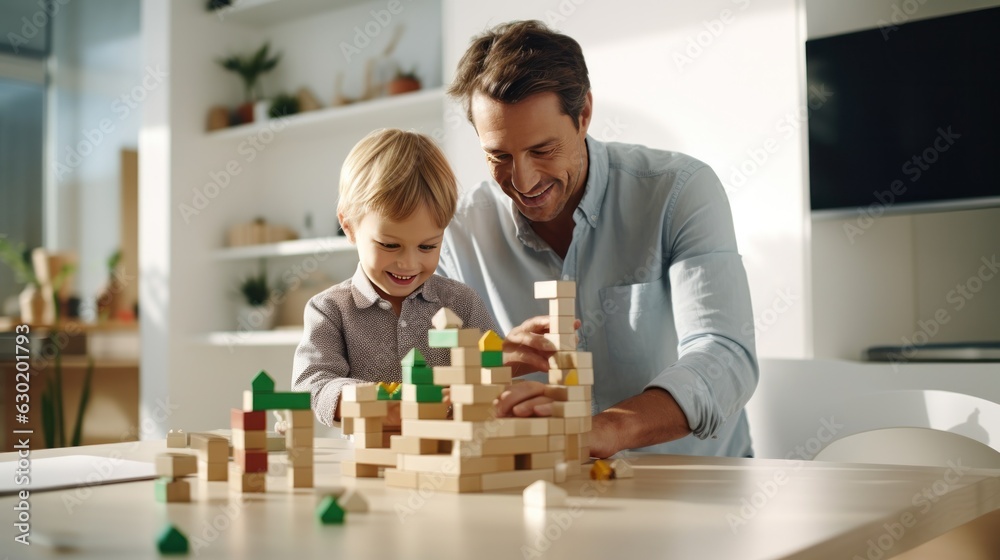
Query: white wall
[
  {"x": 96, "y": 60},
  {"x": 719, "y": 80}
]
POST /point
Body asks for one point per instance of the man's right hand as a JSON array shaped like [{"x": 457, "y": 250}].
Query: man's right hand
[{"x": 526, "y": 350}]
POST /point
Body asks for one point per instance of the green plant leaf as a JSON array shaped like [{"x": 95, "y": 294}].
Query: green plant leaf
[
  {"x": 84, "y": 400},
  {"x": 48, "y": 420},
  {"x": 57, "y": 400}
]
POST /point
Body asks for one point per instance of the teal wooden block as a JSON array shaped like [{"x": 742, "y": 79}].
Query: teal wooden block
[
  {"x": 172, "y": 541},
  {"x": 329, "y": 512},
  {"x": 418, "y": 375},
  {"x": 453, "y": 338},
  {"x": 413, "y": 358},
  {"x": 492, "y": 359},
  {"x": 262, "y": 383}
]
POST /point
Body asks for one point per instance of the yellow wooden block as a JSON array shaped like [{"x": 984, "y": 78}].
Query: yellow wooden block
[
  {"x": 490, "y": 342},
  {"x": 601, "y": 470}
]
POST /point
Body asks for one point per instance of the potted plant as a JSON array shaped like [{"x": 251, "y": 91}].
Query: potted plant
[
  {"x": 405, "y": 81},
  {"x": 283, "y": 105},
  {"x": 109, "y": 298},
  {"x": 256, "y": 313},
  {"x": 250, "y": 70},
  {"x": 38, "y": 301}
]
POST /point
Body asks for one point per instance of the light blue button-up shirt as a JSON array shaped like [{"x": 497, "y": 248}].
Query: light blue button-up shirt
[{"x": 661, "y": 289}]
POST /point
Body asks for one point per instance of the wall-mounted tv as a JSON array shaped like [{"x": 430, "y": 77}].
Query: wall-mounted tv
[{"x": 908, "y": 117}]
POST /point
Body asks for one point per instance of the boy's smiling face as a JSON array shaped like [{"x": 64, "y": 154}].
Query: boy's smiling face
[{"x": 398, "y": 257}]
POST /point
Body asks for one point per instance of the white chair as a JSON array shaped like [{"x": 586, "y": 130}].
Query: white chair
[{"x": 910, "y": 446}]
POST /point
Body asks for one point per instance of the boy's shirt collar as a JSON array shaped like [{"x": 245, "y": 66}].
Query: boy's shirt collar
[{"x": 364, "y": 294}]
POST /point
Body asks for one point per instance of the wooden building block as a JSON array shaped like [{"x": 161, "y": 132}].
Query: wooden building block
[
  {"x": 571, "y": 360},
  {"x": 413, "y": 358},
  {"x": 352, "y": 468},
  {"x": 423, "y": 393},
  {"x": 584, "y": 454},
  {"x": 213, "y": 471},
  {"x": 243, "y": 420},
  {"x": 251, "y": 461},
  {"x": 389, "y": 391},
  {"x": 458, "y": 484},
  {"x": 456, "y": 465},
  {"x": 562, "y": 342},
  {"x": 211, "y": 449},
  {"x": 413, "y": 446},
  {"x": 262, "y": 383},
  {"x": 562, "y": 307},
  {"x": 529, "y": 461},
  {"x": 555, "y": 289},
  {"x": 474, "y": 412},
  {"x": 562, "y": 325},
  {"x": 301, "y": 477},
  {"x": 301, "y": 457},
  {"x": 562, "y": 471},
  {"x": 475, "y": 394},
  {"x": 446, "y": 319},
  {"x": 458, "y": 375},
  {"x": 464, "y": 357},
  {"x": 177, "y": 439},
  {"x": 578, "y": 425},
  {"x": 383, "y": 457},
  {"x": 329, "y": 512},
  {"x": 622, "y": 468},
  {"x": 571, "y": 377},
  {"x": 513, "y": 427},
  {"x": 573, "y": 467},
  {"x": 299, "y": 437},
  {"x": 557, "y": 442},
  {"x": 253, "y": 439},
  {"x": 442, "y": 429},
  {"x": 500, "y": 446},
  {"x": 300, "y": 418},
  {"x": 359, "y": 392},
  {"x": 423, "y": 411},
  {"x": 176, "y": 465},
  {"x": 401, "y": 479},
  {"x": 276, "y": 401},
  {"x": 369, "y": 409},
  {"x": 247, "y": 482},
  {"x": 418, "y": 375},
  {"x": 570, "y": 409},
  {"x": 601, "y": 470},
  {"x": 544, "y": 495},
  {"x": 515, "y": 479},
  {"x": 376, "y": 440},
  {"x": 557, "y": 426},
  {"x": 170, "y": 491},
  {"x": 570, "y": 392},
  {"x": 453, "y": 338},
  {"x": 361, "y": 425},
  {"x": 496, "y": 376},
  {"x": 490, "y": 342},
  {"x": 172, "y": 541},
  {"x": 352, "y": 501}
]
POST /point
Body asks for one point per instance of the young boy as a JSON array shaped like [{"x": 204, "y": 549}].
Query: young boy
[{"x": 397, "y": 195}]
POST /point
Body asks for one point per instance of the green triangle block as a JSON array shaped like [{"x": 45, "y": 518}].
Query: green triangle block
[
  {"x": 418, "y": 375},
  {"x": 492, "y": 359},
  {"x": 413, "y": 358},
  {"x": 329, "y": 511},
  {"x": 172, "y": 541},
  {"x": 397, "y": 395},
  {"x": 262, "y": 383},
  {"x": 385, "y": 395}
]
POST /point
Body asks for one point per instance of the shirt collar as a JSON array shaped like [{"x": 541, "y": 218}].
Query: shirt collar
[
  {"x": 590, "y": 205},
  {"x": 365, "y": 296}
]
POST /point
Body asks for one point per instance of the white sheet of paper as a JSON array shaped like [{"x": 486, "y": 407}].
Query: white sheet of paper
[{"x": 55, "y": 473}]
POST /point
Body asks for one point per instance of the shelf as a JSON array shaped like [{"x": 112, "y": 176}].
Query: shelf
[
  {"x": 395, "y": 108},
  {"x": 265, "y": 13},
  {"x": 316, "y": 245},
  {"x": 278, "y": 337}
]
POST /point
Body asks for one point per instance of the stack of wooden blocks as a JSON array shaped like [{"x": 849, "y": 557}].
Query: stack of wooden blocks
[
  {"x": 248, "y": 473},
  {"x": 299, "y": 445},
  {"x": 571, "y": 373},
  {"x": 361, "y": 414},
  {"x": 170, "y": 467},
  {"x": 213, "y": 456}
]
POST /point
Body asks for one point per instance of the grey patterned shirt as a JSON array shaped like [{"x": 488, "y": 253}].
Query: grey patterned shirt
[{"x": 352, "y": 335}]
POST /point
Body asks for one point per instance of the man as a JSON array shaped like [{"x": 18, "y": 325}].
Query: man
[{"x": 647, "y": 235}]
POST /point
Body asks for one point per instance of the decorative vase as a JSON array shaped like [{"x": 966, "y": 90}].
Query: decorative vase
[
  {"x": 255, "y": 318},
  {"x": 261, "y": 109},
  {"x": 32, "y": 303},
  {"x": 244, "y": 113},
  {"x": 403, "y": 85}
]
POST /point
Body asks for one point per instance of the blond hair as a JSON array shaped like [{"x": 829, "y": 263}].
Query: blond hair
[{"x": 392, "y": 172}]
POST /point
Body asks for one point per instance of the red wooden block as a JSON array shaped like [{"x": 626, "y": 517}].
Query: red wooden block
[
  {"x": 248, "y": 421},
  {"x": 251, "y": 460}
]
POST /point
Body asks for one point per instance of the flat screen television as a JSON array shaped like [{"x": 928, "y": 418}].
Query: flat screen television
[{"x": 906, "y": 117}]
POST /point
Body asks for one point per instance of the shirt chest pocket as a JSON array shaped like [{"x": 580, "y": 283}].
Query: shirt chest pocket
[{"x": 638, "y": 318}]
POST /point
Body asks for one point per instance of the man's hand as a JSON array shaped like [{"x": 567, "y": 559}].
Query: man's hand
[
  {"x": 528, "y": 398},
  {"x": 525, "y": 350}
]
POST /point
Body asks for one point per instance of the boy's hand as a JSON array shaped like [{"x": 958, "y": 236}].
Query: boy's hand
[{"x": 525, "y": 350}]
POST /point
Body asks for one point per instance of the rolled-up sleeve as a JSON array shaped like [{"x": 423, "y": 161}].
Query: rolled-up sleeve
[
  {"x": 320, "y": 365},
  {"x": 716, "y": 371}
]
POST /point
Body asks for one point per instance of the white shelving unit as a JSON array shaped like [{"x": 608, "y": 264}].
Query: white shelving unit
[
  {"x": 277, "y": 337},
  {"x": 315, "y": 245}
]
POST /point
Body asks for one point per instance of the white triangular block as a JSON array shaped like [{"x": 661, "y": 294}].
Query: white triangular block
[
  {"x": 544, "y": 495},
  {"x": 352, "y": 501},
  {"x": 622, "y": 468},
  {"x": 446, "y": 319}
]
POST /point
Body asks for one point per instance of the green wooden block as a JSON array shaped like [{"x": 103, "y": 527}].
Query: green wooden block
[
  {"x": 426, "y": 393},
  {"x": 492, "y": 359},
  {"x": 413, "y": 358},
  {"x": 282, "y": 401},
  {"x": 329, "y": 512},
  {"x": 262, "y": 383},
  {"x": 172, "y": 541},
  {"x": 160, "y": 489},
  {"x": 418, "y": 375},
  {"x": 453, "y": 338}
]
